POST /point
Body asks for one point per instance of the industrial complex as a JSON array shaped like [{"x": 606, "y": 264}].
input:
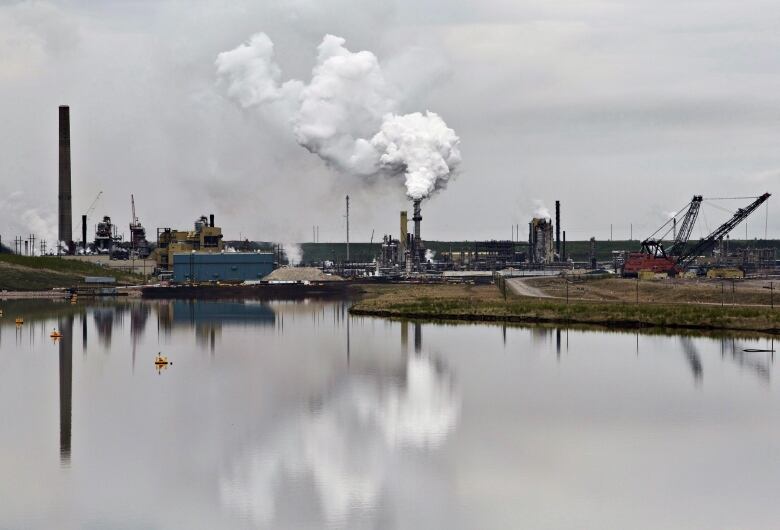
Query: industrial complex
[{"x": 199, "y": 254}]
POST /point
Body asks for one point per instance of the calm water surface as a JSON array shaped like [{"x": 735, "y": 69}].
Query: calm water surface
[{"x": 294, "y": 415}]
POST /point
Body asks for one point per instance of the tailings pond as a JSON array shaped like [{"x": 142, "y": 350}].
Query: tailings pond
[{"x": 295, "y": 415}]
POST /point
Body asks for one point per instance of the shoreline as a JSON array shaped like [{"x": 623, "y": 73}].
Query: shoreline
[
  {"x": 626, "y": 324},
  {"x": 459, "y": 303}
]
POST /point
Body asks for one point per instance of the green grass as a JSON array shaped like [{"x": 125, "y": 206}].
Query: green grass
[
  {"x": 424, "y": 302},
  {"x": 25, "y": 273}
]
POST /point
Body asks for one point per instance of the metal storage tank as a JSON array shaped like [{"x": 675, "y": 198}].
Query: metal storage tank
[{"x": 228, "y": 266}]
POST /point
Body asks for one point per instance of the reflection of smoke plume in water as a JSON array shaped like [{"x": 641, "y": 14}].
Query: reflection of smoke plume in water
[
  {"x": 348, "y": 444},
  {"x": 347, "y": 114},
  {"x": 540, "y": 210}
]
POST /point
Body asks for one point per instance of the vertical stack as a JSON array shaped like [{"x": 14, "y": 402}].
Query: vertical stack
[{"x": 65, "y": 231}]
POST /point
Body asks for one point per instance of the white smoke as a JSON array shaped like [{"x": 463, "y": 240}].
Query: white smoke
[
  {"x": 347, "y": 114},
  {"x": 27, "y": 220},
  {"x": 294, "y": 253},
  {"x": 540, "y": 210}
]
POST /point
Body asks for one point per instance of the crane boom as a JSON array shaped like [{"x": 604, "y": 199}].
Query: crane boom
[
  {"x": 708, "y": 242},
  {"x": 653, "y": 246},
  {"x": 94, "y": 203},
  {"x": 686, "y": 227}
]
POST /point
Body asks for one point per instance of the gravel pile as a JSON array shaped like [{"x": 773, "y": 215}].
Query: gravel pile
[{"x": 301, "y": 274}]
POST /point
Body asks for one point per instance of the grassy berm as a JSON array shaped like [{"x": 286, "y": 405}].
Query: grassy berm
[
  {"x": 22, "y": 273},
  {"x": 487, "y": 303}
]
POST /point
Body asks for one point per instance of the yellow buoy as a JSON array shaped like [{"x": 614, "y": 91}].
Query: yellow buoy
[
  {"x": 161, "y": 360},
  {"x": 55, "y": 334},
  {"x": 19, "y": 320}
]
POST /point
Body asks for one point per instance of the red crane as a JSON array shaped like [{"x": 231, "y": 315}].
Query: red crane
[{"x": 653, "y": 257}]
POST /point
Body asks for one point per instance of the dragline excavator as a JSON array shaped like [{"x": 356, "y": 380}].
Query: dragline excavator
[{"x": 679, "y": 256}]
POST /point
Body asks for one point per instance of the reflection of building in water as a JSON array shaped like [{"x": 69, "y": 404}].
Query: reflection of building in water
[
  {"x": 66, "y": 385},
  {"x": 104, "y": 324},
  {"x": 208, "y": 318},
  {"x": 348, "y": 442},
  {"x": 139, "y": 314}
]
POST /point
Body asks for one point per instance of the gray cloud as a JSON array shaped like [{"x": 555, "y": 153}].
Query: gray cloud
[{"x": 620, "y": 111}]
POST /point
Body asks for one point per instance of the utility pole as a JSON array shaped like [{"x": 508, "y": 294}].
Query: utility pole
[
  {"x": 771, "y": 294},
  {"x": 347, "y": 228}
]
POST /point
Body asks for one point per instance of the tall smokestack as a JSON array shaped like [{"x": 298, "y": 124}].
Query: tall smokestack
[
  {"x": 84, "y": 232},
  {"x": 403, "y": 234},
  {"x": 65, "y": 232},
  {"x": 417, "y": 218},
  {"x": 558, "y": 228},
  {"x": 211, "y": 220}
]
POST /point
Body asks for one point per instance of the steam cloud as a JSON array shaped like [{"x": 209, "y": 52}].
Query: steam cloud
[
  {"x": 347, "y": 114},
  {"x": 540, "y": 210}
]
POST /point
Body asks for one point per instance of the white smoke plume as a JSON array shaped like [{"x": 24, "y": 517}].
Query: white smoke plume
[
  {"x": 294, "y": 253},
  {"x": 540, "y": 210},
  {"x": 27, "y": 220},
  {"x": 347, "y": 114}
]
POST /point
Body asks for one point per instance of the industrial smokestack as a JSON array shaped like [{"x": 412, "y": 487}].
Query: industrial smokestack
[
  {"x": 211, "y": 220},
  {"x": 563, "y": 256},
  {"x": 84, "y": 233},
  {"x": 404, "y": 232},
  {"x": 417, "y": 218},
  {"x": 558, "y": 228},
  {"x": 65, "y": 232}
]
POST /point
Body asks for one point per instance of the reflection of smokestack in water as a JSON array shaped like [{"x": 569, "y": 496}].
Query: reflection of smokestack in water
[
  {"x": 66, "y": 386},
  {"x": 65, "y": 232},
  {"x": 417, "y": 337},
  {"x": 405, "y": 336},
  {"x": 84, "y": 332}
]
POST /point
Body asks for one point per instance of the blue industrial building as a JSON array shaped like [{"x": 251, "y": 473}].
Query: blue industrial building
[{"x": 227, "y": 266}]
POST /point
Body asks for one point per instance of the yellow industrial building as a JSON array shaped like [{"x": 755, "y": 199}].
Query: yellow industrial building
[{"x": 204, "y": 238}]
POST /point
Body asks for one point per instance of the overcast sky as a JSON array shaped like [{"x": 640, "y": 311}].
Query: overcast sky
[{"x": 621, "y": 110}]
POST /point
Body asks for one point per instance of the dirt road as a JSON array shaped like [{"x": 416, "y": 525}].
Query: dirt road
[{"x": 520, "y": 287}]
